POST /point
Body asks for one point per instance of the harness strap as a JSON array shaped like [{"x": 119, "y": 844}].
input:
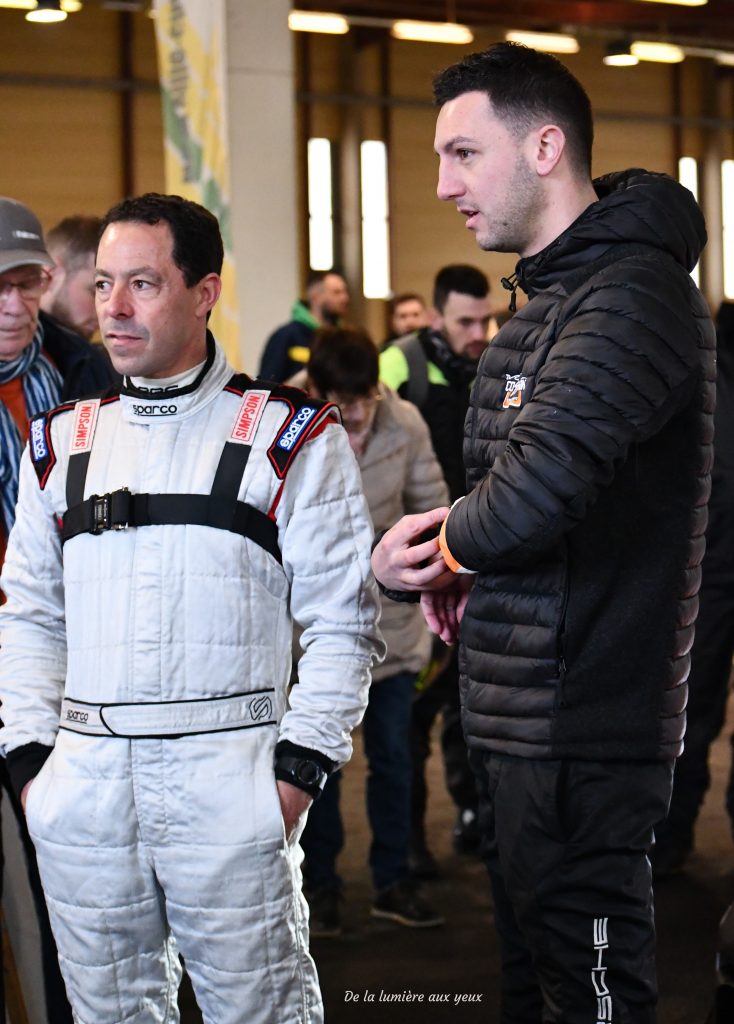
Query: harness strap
[{"x": 120, "y": 510}]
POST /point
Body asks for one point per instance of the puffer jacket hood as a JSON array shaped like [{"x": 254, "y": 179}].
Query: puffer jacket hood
[{"x": 635, "y": 207}]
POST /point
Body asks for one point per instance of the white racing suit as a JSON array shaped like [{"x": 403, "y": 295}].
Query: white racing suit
[{"x": 173, "y": 840}]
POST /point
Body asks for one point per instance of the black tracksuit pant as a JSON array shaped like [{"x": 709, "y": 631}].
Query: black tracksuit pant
[{"x": 566, "y": 844}]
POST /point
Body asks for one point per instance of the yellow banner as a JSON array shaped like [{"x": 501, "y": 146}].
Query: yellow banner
[{"x": 190, "y": 36}]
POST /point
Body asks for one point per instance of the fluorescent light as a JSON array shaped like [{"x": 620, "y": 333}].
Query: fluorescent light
[
  {"x": 70, "y": 6},
  {"x": 688, "y": 176},
  {"x": 620, "y": 60},
  {"x": 314, "y": 21},
  {"x": 375, "y": 226},
  {"x": 46, "y": 12},
  {"x": 320, "y": 211},
  {"x": 548, "y": 41},
  {"x": 432, "y": 31},
  {"x": 618, "y": 54},
  {"x": 727, "y": 217},
  {"x": 663, "y": 53},
  {"x": 681, "y": 3}
]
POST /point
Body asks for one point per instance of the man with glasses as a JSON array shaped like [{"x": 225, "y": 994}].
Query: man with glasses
[{"x": 41, "y": 364}]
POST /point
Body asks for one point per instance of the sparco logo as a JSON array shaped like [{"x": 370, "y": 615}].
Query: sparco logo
[
  {"x": 289, "y": 437},
  {"x": 77, "y": 716},
  {"x": 260, "y": 707},
  {"x": 155, "y": 410},
  {"x": 84, "y": 424},
  {"x": 38, "y": 440},
  {"x": 248, "y": 416}
]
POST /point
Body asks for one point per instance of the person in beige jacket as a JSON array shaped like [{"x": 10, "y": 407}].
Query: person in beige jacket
[{"x": 400, "y": 475}]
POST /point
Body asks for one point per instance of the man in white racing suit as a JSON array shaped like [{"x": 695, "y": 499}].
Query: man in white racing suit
[{"x": 167, "y": 535}]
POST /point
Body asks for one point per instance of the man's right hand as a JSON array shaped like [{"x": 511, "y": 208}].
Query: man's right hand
[
  {"x": 403, "y": 561},
  {"x": 24, "y": 794}
]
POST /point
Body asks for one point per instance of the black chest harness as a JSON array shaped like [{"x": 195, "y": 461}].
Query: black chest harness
[{"x": 221, "y": 508}]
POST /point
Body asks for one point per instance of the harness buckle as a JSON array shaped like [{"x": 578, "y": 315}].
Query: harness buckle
[
  {"x": 123, "y": 498},
  {"x": 100, "y": 512},
  {"x": 110, "y": 511}
]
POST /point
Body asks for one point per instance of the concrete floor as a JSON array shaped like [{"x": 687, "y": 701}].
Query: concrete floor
[{"x": 461, "y": 960}]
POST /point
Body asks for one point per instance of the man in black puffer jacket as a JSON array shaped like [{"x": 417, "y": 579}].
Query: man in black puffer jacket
[{"x": 588, "y": 450}]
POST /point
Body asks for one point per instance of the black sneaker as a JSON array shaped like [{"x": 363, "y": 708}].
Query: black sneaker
[
  {"x": 401, "y": 902},
  {"x": 324, "y": 920}
]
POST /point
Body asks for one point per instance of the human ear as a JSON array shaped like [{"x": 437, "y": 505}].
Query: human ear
[
  {"x": 209, "y": 289},
  {"x": 549, "y": 146}
]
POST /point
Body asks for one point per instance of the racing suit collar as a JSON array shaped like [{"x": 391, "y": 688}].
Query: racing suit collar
[{"x": 172, "y": 402}]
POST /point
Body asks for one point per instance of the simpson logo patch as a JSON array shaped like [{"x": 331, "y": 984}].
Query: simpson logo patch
[
  {"x": 39, "y": 447},
  {"x": 85, "y": 422},
  {"x": 514, "y": 387},
  {"x": 295, "y": 428},
  {"x": 248, "y": 417}
]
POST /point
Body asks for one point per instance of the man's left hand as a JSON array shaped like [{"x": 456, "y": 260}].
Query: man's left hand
[{"x": 294, "y": 803}]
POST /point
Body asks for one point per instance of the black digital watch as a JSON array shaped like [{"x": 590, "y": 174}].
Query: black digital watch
[{"x": 301, "y": 772}]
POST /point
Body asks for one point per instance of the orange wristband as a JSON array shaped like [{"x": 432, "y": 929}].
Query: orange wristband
[{"x": 448, "y": 558}]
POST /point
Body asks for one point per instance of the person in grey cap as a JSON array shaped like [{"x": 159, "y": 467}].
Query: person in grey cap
[{"x": 41, "y": 364}]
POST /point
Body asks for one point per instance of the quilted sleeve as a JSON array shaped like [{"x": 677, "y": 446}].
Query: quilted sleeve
[
  {"x": 326, "y": 535},
  {"x": 626, "y": 359},
  {"x": 32, "y": 621}
]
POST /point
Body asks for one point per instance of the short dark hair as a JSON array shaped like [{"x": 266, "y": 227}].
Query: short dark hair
[
  {"x": 317, "y": 277},
  {"x": 343, "y": 361},
  {"x": 461, "y": 278},
  {"x": 74, "y": 239},
  {"x": 398, "y": 300},
  {"x": 197, "y": 240},
  {"x": 525, "y": 87}
]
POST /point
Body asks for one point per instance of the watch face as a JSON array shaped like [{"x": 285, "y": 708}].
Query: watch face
[{"x": 308, "y": 772}]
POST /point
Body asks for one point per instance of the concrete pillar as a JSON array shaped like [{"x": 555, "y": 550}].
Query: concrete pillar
[
  {"x": 712, "y": 279},
  {"x": 261, "y": 113}
]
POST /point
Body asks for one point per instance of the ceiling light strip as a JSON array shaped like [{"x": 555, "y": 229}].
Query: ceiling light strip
[
  {"x": 432, "y": 32},
  {"x": 316, "y": 21},
  {"x": 550, "y": 42}
]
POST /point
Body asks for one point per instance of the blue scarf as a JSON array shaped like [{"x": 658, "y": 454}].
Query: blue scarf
[{"x": 41, "y": 390}]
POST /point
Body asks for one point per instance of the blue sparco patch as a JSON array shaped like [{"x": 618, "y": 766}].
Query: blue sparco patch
[
  {"x": 295, "y": 428},
  {"x": 39, "y": 446}
]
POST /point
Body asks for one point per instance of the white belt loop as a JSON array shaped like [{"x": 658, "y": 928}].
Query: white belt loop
[{"x": 169, "y": 719}]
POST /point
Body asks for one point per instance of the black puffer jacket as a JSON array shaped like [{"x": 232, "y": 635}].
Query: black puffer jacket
[{"x": 588, "y": 448}]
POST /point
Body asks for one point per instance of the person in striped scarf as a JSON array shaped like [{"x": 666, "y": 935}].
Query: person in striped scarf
[{"x": 41, "y": 364}]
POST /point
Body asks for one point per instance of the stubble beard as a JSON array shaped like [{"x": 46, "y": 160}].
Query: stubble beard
[{"x": 523, "y": 208}]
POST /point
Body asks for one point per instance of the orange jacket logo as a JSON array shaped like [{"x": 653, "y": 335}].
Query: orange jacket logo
[{"x": 513, "y": 390}]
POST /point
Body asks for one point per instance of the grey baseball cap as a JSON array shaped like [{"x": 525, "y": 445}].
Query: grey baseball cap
[{"x": 21, "y": 237}]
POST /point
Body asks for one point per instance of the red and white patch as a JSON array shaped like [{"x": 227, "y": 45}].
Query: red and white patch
[
  {"x": 85, "y": 423},
  {"x": 250, "y": 412}
]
